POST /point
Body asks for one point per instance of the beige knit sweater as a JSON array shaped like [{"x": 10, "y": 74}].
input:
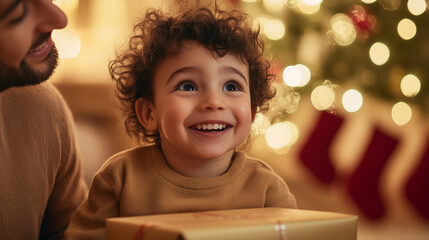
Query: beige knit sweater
[
  {"x": 139, "y": 182},
  {"x": 40, "y": 179}
]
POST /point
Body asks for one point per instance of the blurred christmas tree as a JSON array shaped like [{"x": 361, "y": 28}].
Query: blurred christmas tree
[{"x": 376, "y": 47}]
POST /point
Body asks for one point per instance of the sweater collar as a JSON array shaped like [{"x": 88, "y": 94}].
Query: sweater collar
[{"x": 162, "y": 168}]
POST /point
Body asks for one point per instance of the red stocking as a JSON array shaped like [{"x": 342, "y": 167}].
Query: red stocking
[
  {"x": 363, "y": 185},
  {"x": 315, "y": 153},
  {"x": 417, "y": 187}
]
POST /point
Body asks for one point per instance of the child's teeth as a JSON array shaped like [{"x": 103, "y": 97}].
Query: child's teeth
[{"x": 216, "y": 126}]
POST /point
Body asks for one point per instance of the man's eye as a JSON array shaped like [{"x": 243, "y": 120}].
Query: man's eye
[
  {"x": 232, "y": 86},
  {"x": 21, "y": 16},
  {"x": 186, "y": 86}
]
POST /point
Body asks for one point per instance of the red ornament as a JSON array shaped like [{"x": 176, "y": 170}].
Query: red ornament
[{"x": 364, "y": 22}]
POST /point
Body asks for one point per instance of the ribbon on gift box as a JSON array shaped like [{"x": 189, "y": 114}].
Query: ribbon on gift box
[
  {"x": 142, "y": 230},
  {"x": 279, "y": 226}
]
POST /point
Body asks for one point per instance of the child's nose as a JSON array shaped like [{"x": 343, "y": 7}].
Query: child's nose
[
  {"x": 50, "y": 16},
  {"x": 212, "y": 101}
]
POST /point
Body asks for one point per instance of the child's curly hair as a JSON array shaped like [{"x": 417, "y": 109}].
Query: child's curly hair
[{"x": 159, "y": 35}]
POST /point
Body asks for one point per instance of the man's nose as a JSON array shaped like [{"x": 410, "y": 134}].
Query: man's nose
[{"x": 51, "y": 16}]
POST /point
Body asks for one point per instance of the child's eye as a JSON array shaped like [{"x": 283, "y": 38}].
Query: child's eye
[
  {"x": 232, "y": 86},
  {"x": 186, "y": 86}
]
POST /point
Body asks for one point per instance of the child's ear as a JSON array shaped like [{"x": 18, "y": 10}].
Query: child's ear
[
  {"x": 253, "y": 113},
  {"x": 145, "y": 112}
]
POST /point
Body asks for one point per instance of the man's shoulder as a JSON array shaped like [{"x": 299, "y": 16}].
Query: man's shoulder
[{"x": 42, "y": 96}]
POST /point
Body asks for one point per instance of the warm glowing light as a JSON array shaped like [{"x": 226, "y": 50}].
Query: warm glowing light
[
  {"x": 260, "y": 124},
  {"x": 379, "y": 53},
  {"x": 401, "y": 113},
  {"x": 407, "y": 29},
  {"x": 410, "y": 85},
  {"x": 70, "y": 5},
  {"x": 312, "y": 2},
  {"x": 67, "y": 42},
  {"x": 259, "y": 23},
  {"x": 282, "y": 134},
  {"x": 292, "y": 76},
  {"x": 296, "y": 76},
  {"x": 274, "y": 29},
  {"x": 322, "y": 97},
  {"x": 416, "y": 7},
  {"x": 352, "y": 100},
  {"x": 369, "y": 1},
  {"x": 249, "y": 1},
  {"x": 306, "y": 74},
  {"x": 343, "y": 29},
  {"x": 273, "y": 5},
  {"x": 308, "y": 6}
]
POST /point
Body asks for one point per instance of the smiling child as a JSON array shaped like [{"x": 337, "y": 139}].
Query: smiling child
[{"x": 191, "y": 84}]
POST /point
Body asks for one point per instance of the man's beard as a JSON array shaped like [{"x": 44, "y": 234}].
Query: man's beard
[{"x": 25, "y": 75}]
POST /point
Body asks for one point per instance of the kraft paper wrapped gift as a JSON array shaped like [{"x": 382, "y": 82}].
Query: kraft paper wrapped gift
[{"x": 248, "y": 224}]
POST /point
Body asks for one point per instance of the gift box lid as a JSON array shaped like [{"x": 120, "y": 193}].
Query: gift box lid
[{"x": 249, "y": 224}]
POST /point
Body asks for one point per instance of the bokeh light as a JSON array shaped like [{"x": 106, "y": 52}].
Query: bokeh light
[
  {"x": 282, "y": 134},
  {"x": 67, "y": 42},
  {"x": 292, "y": 76},
  {"x": 416, "y": 7},
  {"x": 379, "y": 53},
  {"x": 306, "y": 74},
  {"x": 259, "y": 23},
  {"x": 401, "y": 113},
  {"x": 274, "y": 29},
  {"x": 309, "y": 6},
  {"x": 296, "y": 75},
  {"x": 322, "y": 97},
  {"x": 352, "y": 100},
  {"x": 410, "y": 85},
  {"x": 312, "y": 2},
  {"x": 274, "y": 6},
  {"x": 343, "y": 29},
  {"x": 260, "y": 124},
  {"x": 407, "y": 29}
]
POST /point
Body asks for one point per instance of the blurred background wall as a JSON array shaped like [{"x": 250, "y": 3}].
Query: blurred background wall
[{"x": 348, "y": 129}]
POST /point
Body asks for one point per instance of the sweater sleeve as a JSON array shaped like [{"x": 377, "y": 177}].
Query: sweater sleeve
[
  {"x": 279, "y": 195},
  {"x": 69, "y": 189},
  {"x": 89, "y": 221},
  {"x": 277, "y": 192}
]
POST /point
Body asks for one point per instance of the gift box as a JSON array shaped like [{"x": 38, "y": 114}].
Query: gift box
[{"x": 248, "y": 224}]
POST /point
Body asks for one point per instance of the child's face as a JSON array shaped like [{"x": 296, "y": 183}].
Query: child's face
[{"x": 196, "y": 91}]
